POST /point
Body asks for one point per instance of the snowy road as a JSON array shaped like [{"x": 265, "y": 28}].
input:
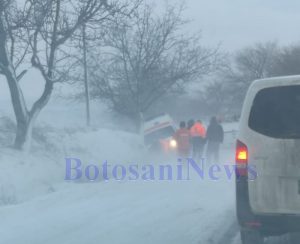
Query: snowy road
[
  {"x": 198, "y": 211},
  {"x": 271, "y": 240},
  {"x": 193, "y": 212},
  {"x": 233, "y": 237},
  {"x": 131, "y": 212}
]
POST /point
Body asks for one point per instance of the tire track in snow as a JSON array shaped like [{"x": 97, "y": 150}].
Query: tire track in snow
[
  {"x": 230, "y": 235},
  {"x": 225, "y": 231},
  {"x": 270, "y": 240}
]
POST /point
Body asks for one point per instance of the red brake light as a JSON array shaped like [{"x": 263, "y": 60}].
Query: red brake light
[
  {"x": 241, "y": 158},
  {"x": 241, "y": 153}
]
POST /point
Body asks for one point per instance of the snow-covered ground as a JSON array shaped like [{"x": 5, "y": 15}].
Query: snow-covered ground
[
  {"x": 38, "y": 206},
  {"x": 25, "y": 175},
  {"x": 195, "y": 211},
  {"x": 135, "y": 212}
]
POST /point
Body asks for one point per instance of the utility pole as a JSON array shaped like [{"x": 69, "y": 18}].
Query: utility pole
[{"x": 86, "y": 85}]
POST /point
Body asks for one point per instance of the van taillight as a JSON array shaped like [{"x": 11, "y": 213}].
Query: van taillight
[{"x": 241, "y": 159}]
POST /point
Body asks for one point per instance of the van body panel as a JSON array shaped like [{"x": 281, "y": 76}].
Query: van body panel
[{"x": 276, "y": 190}]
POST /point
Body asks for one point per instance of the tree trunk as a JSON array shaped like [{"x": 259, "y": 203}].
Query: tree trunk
[
  {"x": 17, "y": 98},
  {"x": 24, "y": 127},
  {"x": 24, "y": 118},
  {"x": 23, "y": 136},
  {"x": 138, "y": 122}
]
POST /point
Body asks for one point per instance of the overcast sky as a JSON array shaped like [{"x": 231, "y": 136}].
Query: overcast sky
[
  {"x": 233, "y": 23},
  {"x": 237, "y": 23}
]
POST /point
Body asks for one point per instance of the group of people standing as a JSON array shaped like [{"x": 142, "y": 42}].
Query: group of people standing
[{"x": 192, "y": 136}]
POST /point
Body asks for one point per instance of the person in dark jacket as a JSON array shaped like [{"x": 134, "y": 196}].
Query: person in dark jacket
[
  {"x": 214, "y": 137},
  {"x": 190, "y": 124}
]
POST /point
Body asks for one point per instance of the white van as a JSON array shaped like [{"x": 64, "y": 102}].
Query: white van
[
  {"x": 158, "y": 134},
  {"x": 269, "y": 142}
]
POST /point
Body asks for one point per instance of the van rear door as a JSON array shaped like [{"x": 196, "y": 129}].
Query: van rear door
[{"x": 274, "y": 149}]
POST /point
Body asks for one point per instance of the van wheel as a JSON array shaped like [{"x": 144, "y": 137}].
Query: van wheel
[{"x": 251, "y": 237}]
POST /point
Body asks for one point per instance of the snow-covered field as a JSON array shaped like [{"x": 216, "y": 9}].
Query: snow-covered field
[{"x": 38, "y": 206}]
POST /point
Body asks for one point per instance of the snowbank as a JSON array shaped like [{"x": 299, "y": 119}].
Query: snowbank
[{"x": 24, "y": 176}]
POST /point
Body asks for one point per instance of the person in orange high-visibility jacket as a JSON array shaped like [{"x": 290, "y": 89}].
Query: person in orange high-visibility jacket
[
  {"x": 198, "y": 133},
  {"x": 182, "y": 137}
]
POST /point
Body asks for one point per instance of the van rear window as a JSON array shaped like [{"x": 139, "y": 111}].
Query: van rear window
[{"x": 276, "y": 112}]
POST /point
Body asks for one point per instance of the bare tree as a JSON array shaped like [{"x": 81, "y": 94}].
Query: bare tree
[
  {"x": 248, "y": 64},
  {"x": 256, "y": 62},
  {"x": 261, "y": 60},
  {"x": 145, "y": 57},
  {"x": 213, "y": 98},
  {"x": 87, "y": 42},
  {"x": 43, "y": 29},
  {"x": 287, "y": 61},
  {"x": 12, "y": 27}
]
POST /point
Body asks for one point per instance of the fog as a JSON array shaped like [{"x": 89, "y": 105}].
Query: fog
[
  {"x": 233, "y": 25},
  {"x": 97, "y": 144}
]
